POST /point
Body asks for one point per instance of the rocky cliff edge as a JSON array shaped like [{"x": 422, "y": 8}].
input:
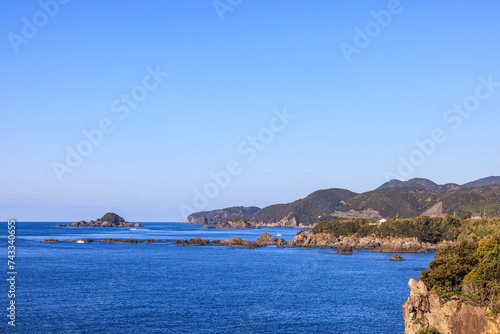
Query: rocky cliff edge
[{"x": 424, "y": 309}]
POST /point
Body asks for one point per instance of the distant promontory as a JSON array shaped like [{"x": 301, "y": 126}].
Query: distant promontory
[
  {"x": 221, "y": 216},
  {"x": 232, "y": 224},
  {"x": 110, "y": 219}
]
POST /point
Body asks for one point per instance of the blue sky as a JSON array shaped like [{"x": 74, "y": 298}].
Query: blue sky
[{"x": 66, "y": 68}]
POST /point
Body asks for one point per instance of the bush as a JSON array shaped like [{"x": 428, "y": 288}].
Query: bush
[
  {"x": 482, "y": 284},
  {"x": 429, "y": 331},
  {"x": 449, "y": 268}
]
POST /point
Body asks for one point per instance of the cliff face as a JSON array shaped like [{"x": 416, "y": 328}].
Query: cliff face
[
  {"x": 288, "y": 221},
  {"x": 424, "y": 309}
]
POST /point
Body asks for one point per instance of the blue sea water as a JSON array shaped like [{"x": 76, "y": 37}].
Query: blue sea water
[{"x": 162, "y": 288}]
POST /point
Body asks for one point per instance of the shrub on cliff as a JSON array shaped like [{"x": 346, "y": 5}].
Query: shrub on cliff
[
  {"x": 482, "y": 284},
  {"x": 449, "y": 268},
  {"x": 469, "y": 270},
  {"x": 428, "y": 331}
]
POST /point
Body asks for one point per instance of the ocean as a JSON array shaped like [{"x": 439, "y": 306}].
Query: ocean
[{"x": 162, "y": 288}]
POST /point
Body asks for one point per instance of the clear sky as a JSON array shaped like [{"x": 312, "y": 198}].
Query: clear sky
[{"x": 276, "y": 99}]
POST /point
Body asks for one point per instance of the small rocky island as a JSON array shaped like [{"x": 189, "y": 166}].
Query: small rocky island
[
  {"x": 232, "y": 224},
  {"x": 110, "y": 219}
]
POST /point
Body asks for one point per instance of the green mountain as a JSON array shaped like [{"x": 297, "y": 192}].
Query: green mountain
[
  {"x": 418, "y": 183},
  {"x": 319, "y": 203},
  {"x": 412, "y": 202},
  {"x": 491, "y": 180},
  {"x": 402, "y": 202},
  {"x": 482, "y": 199}
]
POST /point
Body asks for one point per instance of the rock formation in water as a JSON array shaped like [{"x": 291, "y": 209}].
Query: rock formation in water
[
  {"x": 303, "y": 239},
  {"x": 265, "y": 240},
  {"x": 110, "y": 219},
  {"x": 346, "y": 250},
  {"x": 128, "y": 241}
]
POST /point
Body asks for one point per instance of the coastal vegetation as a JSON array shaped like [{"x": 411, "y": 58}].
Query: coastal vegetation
[{"x": 425, "y": 229}]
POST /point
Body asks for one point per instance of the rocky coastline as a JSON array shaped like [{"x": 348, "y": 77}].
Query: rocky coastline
[
  {"x": 235, "y": 224},
  {"x": 304, "y": 240},
  {"x": 374, "y": 244}
]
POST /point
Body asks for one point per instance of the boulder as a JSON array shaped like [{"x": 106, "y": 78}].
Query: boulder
[{"x": 345, "y": 249}]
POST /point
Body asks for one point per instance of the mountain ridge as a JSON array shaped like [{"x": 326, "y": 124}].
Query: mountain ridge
[{"x": 404, "y": 199}]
